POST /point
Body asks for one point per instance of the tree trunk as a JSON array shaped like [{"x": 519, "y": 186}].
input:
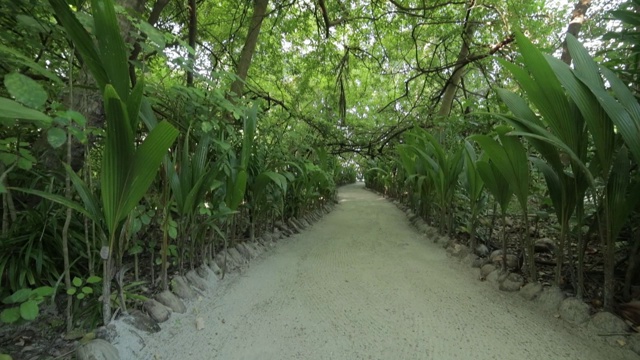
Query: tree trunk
[
  {"x": 456, "y": 76},
  {"x": 578, "y": 17},
  {"x": 259, "y": 12},
  {"x": 193, "y": 33}
]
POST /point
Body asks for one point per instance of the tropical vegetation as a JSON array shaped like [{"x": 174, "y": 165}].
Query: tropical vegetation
[{"x": 141, "y": 138}]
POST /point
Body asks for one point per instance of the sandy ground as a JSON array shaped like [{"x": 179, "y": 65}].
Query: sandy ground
[{"x": 363, "y": 284}]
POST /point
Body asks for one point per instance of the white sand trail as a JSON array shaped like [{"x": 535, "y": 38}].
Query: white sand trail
[{"x": 363, "y": 284}]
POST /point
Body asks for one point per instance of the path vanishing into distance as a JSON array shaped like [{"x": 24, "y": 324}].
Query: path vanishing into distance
[{"x": 363, "y": 284}]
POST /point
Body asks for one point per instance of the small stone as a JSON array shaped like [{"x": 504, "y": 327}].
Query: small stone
[
  {"x": 482, "y": 250},
  {"x": 574, "y": 311},
  {"x": 512, "y": 282},
  {"x": 266, "y": 238},
  {"x": 237, "y": 258},
  {"x": 479, "y": 262},
  {"x": 196, "y": 281},
  {"x": 512, "y": 261},
  {"x": 551, "y": 298},
  {"x": 444, "y": 241},
  {"x": 97, "y": 349},
  {"x": 486, "y": 270},
  {"x": 168, "y": 299},
  {"x": 242, "y": 249},
  {"x": 156, "y": 310},
  {"x": 496, "y": 276},
  {"x": 470, "y": 259},
  {"x": 294, "y": 227},
  {"x": 544, "y": 245},
  {"x": 215, "y": 268},
  {"x": 607, "y": 323},
  {"x": 206, "y": 273},
  {"x": 141, "y": 322},
  {"x": 531, "y": 291},
  {"x": 458, "y": 250},
  {"x": 199, "y": 323},
  {"x": 494, "y": 255},
  {"x": 107, "y": 333},
  {"x": 181, "y": 288}
]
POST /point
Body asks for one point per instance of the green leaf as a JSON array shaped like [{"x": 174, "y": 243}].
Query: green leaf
[
  {"x": 29, "y": 310},
  {"x": 81, "y": 40},
  {"x": 173, "y": 232},
  {"x": 16, "y": 57},
  {"x": 145, "y": 164},
  {"x": 56, "y": 137},
  {"x": 111, "y": 46},
  {"x": 153, "y": 34},
  {"x": 57, "y": 199},
  {"x": 17, "y": 297},
  {"x": 116, "y": 159},
  {"x": 238, "y": 190},
  {"x": 87, "y": 290},
  {"x": 9, "y": 316},
  {"x": 94, "y": 279},
  {"x": 77, "y": 282},
  {"x": 72, "y": 291},
  {"x": 25, "y": 90},
  {"x": 13, "y": 110},
  {"x": 44, "y": 291},
  {"x": 80, "y": 296}
]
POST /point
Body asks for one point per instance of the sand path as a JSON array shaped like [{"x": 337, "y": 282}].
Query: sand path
[{"x": 363, "y": 284}]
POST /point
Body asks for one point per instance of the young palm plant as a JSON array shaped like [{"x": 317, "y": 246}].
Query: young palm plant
[
  {"x": 127, "y": 170},
  {"x": 474, "y": 186},
  {"x": 510, "y": 159},
  {"x": 564, "y": 97}
]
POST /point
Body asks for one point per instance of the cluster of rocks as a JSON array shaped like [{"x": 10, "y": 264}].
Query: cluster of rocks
[
  {"x": 610, "y": 327},
  {"x": 187, "y": 288}
]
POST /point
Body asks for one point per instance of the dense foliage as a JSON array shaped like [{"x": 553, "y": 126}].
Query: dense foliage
[{"x": 139, "y": 138}]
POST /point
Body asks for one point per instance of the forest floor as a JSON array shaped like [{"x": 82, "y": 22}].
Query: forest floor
[{"x": 363, "y": 284}]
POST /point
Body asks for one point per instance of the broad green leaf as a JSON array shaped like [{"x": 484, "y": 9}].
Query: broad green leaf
[
  {"x": 153, "y": 34},
  {"x": 77, "y": 282},
  {"x": 72, "y": 291},
  {"x": 89, "y": 200},
  {"x": 57, "y": 199},
  {"x": 145, "y": 164},
  {"x": 9, "y": 316},
  {"x": 628, "y": 123},
  {"x": 135, "y": 102},
  {"x": 617, "y": 195},
  {"x": 13, "y": 110},
  {"x": 238, "y": 191},
  {"x": 19, "y": 296},
  {"x": 56, "y": 137},
  {"x": 87, "y": 290},
  {"x": 25, "y": 90},
  {"x": 82, "y": 41},
  {"x": 94, "y": 279},
  {"x": 111, "y": 47},
  {"x": 29, "y": 310},
  {"x": 116, "y": 159},
  {"x": 43, "y": 291}
]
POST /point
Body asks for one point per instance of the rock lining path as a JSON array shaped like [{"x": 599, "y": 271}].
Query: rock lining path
[{"x": 363, "y": 284}]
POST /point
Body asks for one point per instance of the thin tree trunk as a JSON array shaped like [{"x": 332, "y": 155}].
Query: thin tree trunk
[
  {"x": 259, "y": 12},
  {"x": 193, "y": 33},
  {"x": 65, "y": 243},
  {"x": 578, "y": 17},
  {"x": 458, "y": 70}
]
